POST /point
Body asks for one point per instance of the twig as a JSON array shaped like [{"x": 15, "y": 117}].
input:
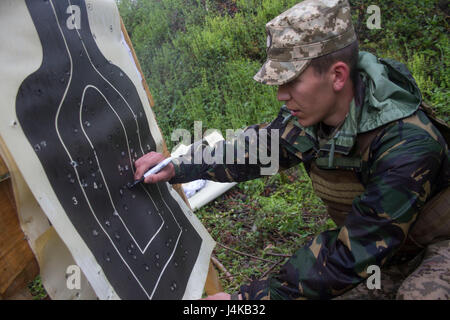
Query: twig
[
  {"x": 231, "y": 276},
  {"x": 247, "y": 279},
  {"x": 281, "y": 235},
  {"x": 271, "y": 268},
  {"x": 221, "y": 267},
  {"x": 297, "y": 234},
  {"x": 278, "y": 254},
  {"x": 243, "y": 253}
]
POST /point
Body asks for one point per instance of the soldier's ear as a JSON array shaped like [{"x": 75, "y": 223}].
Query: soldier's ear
[{"x": 340, "y": 74}]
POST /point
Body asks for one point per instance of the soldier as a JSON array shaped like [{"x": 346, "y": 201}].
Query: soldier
[{"x": 360, "y": 127}]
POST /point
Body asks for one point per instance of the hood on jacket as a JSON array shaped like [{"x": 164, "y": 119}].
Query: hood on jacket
[{"x": 391, "y": 92}]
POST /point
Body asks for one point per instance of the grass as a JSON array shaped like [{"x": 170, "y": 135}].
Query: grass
[
  {"x": 268, "y": 218},
  {"x": 37, "y": 289}
]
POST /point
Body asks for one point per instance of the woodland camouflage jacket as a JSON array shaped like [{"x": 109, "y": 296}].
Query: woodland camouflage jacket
[{"x": 408, "y": 163}]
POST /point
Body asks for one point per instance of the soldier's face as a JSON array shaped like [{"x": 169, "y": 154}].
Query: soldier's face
[{"x": 310, "y": 97}]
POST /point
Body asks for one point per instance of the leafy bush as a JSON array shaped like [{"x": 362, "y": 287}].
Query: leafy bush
[
  {"x": 199, "y": 56},
  {"x": 415, "y": 33},
  {"x": 202, "y": 68}
]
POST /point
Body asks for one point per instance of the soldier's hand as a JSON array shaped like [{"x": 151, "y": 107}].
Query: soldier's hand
[
  {"x": 150, "y": 160},
  {"x": 218, "y": 296},
  {"x": 221, "y": 296}
]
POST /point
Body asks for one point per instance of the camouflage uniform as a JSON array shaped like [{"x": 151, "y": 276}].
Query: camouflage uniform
[{"x": 375, "y": 172}]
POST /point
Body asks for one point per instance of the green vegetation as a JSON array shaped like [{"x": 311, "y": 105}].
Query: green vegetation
[
  {"x": 199, "y": 57},
  {"x": 267, "y": 218},
  {"x": 37, "y": 289},
  {"x": 415, "y": 33}
]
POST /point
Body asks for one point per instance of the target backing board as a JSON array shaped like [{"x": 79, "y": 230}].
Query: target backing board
[{"x": 75, "y": 117}]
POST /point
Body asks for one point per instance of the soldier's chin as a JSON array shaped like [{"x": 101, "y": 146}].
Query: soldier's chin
[{"x": 304, "y": 122}]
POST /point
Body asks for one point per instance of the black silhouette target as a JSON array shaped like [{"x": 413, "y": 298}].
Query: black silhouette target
[{"x": 86, "y": 123}]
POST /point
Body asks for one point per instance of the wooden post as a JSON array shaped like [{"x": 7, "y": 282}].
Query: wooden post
[
  {"x": 18, "y": 266},
  {"x": 4, "y": 172}
]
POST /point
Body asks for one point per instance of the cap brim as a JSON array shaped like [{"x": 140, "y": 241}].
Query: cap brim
[{"x": 278, "y": 73}]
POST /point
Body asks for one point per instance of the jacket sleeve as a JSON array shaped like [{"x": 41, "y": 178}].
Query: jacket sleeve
[
  {"x": 405, "y": 162},
  {"x": 258, "y": 150}
]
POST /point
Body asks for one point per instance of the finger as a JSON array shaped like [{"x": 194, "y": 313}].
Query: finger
[
  {"x": 146, "y": 162},
  {"x": 218, "y": 296},
  {"x": 154, "y": 178},
  {"x": 140, "y": 170},
  {"x": 139, "y": 166},
  {"x": 149, "y": 179}
]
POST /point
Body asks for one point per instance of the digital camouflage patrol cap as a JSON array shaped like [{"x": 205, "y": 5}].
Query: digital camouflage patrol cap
[{"x": 310, "y": 29}]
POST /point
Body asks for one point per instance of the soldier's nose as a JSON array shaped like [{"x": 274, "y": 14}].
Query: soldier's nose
[{"x": 283, "y": 93}]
